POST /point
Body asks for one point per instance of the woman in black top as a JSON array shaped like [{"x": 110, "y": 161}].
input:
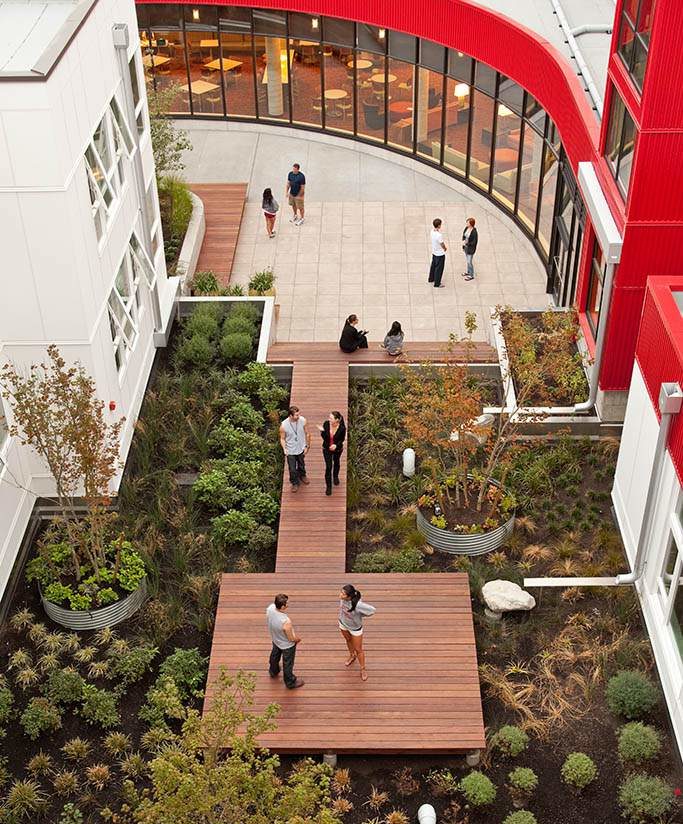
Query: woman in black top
[
  {"x": 333, "y": 433},
  {"x": 352, "y": 338}
]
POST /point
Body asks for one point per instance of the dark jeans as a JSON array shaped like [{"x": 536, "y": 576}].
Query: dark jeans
[
  {"x": 332, "y": 465},
  {"x": 436, "y": 269},
  {"x": 287, "y": 656},
  {"x": 297, "y": 468},
  {"x": 362, "y": 344}
]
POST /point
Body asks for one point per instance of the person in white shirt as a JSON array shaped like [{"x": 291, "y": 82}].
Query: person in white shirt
[
  {"x": 352, "y": 610},
  {"x": 438, "y": 254},
  {"x": 295, "y": 441}
]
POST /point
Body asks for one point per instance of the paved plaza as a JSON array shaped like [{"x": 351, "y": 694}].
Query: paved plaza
[{"x": 364, "y": 246}]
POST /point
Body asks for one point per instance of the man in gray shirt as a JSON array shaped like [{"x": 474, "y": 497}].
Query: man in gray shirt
[
  {"x": 295, "y": 440},
  {"x": 284, "y": 641}
]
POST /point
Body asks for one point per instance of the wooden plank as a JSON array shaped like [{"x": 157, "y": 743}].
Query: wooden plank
[
  {"x": 414, "y": 352},
  {"x": 223, "y": 210}
]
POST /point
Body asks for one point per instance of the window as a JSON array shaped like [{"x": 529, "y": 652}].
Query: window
[
  {"x": 620, "y": 143},
  {"x": 4, "y": 431},
  {"x": 138, "y": 100},
  {"x": 596, "y": 280},
  {"x": 670, "y": 582},
  {"x": 104, "y": 164},
  {"x": 634, "y": 37}
]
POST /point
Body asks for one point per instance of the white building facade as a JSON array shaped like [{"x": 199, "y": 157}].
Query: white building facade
[{"x": 82, "y": 253}]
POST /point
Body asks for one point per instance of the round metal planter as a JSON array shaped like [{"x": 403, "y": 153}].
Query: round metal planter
[
  {"x": 458, "y": 543},
  {"x": 99, "y": 618}
]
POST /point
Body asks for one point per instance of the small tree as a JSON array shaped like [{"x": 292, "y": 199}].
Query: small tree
[
  {"x": 168, "y": 142},
  {"x": 56, "y": 412},
  {"x": 216, "y": 772}
]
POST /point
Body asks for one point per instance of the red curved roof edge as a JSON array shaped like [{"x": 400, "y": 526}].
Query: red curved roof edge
[{"x": 490, "y": 37}]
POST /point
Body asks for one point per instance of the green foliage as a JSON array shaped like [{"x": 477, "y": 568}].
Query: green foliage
[
  {"x": 235, "y": 443},
  {"x": 520, "y": 817},
  {"x": 247, "y": 473},
  {"x": 131, "y": 666},
  {"x": 40, "y": 716},
  {"x": 579, "y": 770},
  {"x": 389, "y": 560},
  {"x": 523, "y": 779},
  {"x": 187, "y": 669},
  {"x": 255, "y": 377},
  {"x": 478, "y": 789},
  {"x": 6, "y": 702},
  {"x": 236, "y": 322},
  {"x": 76, "y": 749},
  {"x": 236, "y": 347},
  {"x": 214, "y": 488},
  {"x": 70, "y": 814},
  {"x": 195, "y": 352},
  {"x": 261, "y": 539},
  {"x": 25, "y": 800},
  {"x": 64, "y": 686},
  {"x": 205, "y": 320},
  {"x": 234, "y": 291},
  {"x": 243, "y": 415},
  {"x": 631, "y": 694},
  {"x": 100, "y": 707},
  {"x": 510, "y": 740},
  {"x": 232, "y": 528},
  {"x": 638, "y": 742},
  {"x": 261, "y": 506},
  {"x": 131, "y": 566},
  {"x": 205, "y": 283},
  {"x": 163, "y": 703},
  {"x": 262, "y": 282},
  {"x": 645, "y": 798},
  {"x": 168, "y": 142}
]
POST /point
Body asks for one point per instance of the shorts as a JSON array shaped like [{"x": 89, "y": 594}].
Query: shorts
[
  {"x": 297, "y": 201},
  {"x": 355, "y": 632},
  {"x": 270, "y": 214}
]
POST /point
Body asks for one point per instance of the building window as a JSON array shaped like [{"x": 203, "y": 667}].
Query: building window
[
  {"x": 596, "y": 280},
  {"x": 138, "y": 98},
  {"x": 634, "y": 37},
  {"x": 671, "y": 582},
  {"x": 620, "y": 143}
]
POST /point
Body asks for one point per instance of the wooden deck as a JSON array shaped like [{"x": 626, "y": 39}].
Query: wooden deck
[
  {"x": 414, "y": 352},
  {"x": 422, "y": 694},
  {"x": 223, "y": 209}
]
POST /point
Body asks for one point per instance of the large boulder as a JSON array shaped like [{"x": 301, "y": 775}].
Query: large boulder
[{"x": 506, "y": 596}]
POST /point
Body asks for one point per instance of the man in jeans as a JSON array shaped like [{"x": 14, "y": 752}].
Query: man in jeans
[
  {"x": 284, "y": 642},
  {"x": 295, "y": 440},
  {"x": 296, "y": 187},
  {"x": 438, "y": 254}
]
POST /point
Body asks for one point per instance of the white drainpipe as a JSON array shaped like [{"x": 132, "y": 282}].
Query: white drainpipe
[
  {"x": 592, "y": 28},
  {"x": 576, "y": 53}
]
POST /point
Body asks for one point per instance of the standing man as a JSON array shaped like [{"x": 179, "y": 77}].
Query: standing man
[
  {"x": 438, "y": 254},
  {"x": 295, "y": 441},
  {"x": 469, "y": 247},
  {"x": 284, "y": 642},
  {"x": 296, "y": 187}
]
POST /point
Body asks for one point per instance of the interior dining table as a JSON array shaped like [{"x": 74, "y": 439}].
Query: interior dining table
[
  {"x": 228, "y": 65},
  {"x": 150, "y": 60},
  {"x": 360, "y": 64}
]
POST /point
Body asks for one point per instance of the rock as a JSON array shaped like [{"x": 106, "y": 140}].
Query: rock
[{"x": 505, "y": 596}]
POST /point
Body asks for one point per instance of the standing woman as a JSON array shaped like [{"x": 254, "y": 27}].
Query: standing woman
[
  {"x": 470, "y": 238},
  {"x": 270, "y": 208},
  {"x": 351, "y": 613},
  {"x": 333, "y": 432}
]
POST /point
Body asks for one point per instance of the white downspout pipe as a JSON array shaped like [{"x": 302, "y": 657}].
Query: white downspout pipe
[
  {"x": 576, "y": 53},
  {"x": 592, "y": 28}
]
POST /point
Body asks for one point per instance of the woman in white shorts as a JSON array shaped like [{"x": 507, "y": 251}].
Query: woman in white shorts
[{"x": 351, "y": 613}]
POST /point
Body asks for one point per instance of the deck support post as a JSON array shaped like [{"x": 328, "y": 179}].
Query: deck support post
[
  {"x": 473, "y": 758},
  {"x": 330, "y": 758}
]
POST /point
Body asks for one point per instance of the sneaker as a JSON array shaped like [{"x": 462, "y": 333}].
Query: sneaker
[
  {"x": 299, "y": 221},
  {"x": 304, "y": 480},
  {"x": 328, "y": 490},
  {"x": 335, "y": 481},
  {"x": 272, "y": 234},
  {"x": 295, "y": 487},
  {"x": 298, "y": 683},
  {"x": 469, "y": 277},
  {"x": 293, "y": 219},
  {"x": 273, "y": 674}
]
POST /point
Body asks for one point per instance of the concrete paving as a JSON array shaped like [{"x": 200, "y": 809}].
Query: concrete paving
[{"x": 364, "y": 246}]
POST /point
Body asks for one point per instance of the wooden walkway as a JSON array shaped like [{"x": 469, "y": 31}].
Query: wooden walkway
[
  {"x": 223, "y": 209},
  {"x": 422, "y": 695},
  {"x": 414, "y": 352}
]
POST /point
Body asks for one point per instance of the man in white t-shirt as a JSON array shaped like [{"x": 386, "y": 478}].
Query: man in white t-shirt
[{"x": 438, "y": 254}]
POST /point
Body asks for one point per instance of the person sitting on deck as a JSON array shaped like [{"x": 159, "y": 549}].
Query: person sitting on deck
[
  {"x": 393, "y": 340},
  {"x": 352, "y": 338}
]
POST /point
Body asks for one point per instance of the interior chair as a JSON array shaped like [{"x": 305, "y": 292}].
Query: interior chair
[{"x": 373, "y": 119}]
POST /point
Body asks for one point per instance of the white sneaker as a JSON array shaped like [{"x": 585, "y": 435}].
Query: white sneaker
[
  {"x": 299, "y": 221},
  {"x": 293, "y": 219}
]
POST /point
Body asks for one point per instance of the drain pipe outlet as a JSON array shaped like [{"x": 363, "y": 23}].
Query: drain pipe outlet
[
  {"x": 670, "y": 398},
  {"x": 426, "y": 814},
  {"x": 592, "y": 28},
  {"x": 583, "y": 69}
]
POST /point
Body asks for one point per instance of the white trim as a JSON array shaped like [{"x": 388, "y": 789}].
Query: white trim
[{"x": 609, "y": 237}]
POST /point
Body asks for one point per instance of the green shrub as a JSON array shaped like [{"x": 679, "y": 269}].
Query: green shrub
[
  {"x": 163, "y": 702},
  {"x": 187, "y": 669},
  {"x": 245, "y": 309},
  {"x": 99, "y": 707},
  {"x": 520, "y": 817},
  {"x": 644, "y": 798},
  {"x": 64, "y": 686},
  {"x": 40, "y": 716},
  {"x": 261, "y": 539},
  {"x": 631, "y": 694},
  {"x": 638, "y": 742},
  {"x": 131, "y": 566},
  {"x": 25, "y": 800},
  {"x": 215, "y": 490},
  {"x": 205, "y": 320},
  {"x": 243, "y": 474},
  {"x": 205, "y": 283},
  {"x": 255, "y": 377},
  {"x": 243, "y": 415},
  {"x": 235, "y": 443},
  {"x": 234, "y": 291},
  {"x": 174, "y": 196},
  {"x": 197, "y": 352},
  {"x": 232, "y": 528},
  {"x": 510, "y": 740},
  {"x": 6, "y": 702},
  {"x": 390, "y": 560},
  {"x": 262, "y": 282},
  {"x": 128, "y": 667},
  {"x": 522, "y": 780},
  {"x": 239, "y": 323},
  {"x": 70, "y": 815},
  {"x": 262, "y": 507},
  {"x": 579, "y": 770},
  {"x": 478, "y": 789},
  {"x": 236, "y": 347}
]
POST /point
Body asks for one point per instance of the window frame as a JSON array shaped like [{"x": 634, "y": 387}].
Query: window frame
[
  {"x": 637, "y": 40},
  {"x": 618, "y": 148}
]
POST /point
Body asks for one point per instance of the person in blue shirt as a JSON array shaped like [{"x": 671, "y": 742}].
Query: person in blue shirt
[{"x": 296, "y": 187}]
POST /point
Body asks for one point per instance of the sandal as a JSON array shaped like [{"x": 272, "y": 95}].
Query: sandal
[
  {"x": 363, "y": 674},
  {"x": 351, "y": 660}
]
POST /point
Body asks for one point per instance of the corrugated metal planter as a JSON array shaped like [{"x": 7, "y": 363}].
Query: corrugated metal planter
[{"x": 99, "y": 618}]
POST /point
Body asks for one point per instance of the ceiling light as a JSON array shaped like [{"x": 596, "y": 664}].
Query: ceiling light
[
  {"x": 195, "y": 14},
  {"x": 315, "y": 23},
  {"x": 503, "y": 111},
  {"x": 382, "y": 33},
  {"x": 461, "y": 90}
]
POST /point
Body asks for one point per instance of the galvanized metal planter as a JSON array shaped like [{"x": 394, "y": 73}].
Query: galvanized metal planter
[
  {"x": 99, "y": 618},
  {"x": 459, "y": 543}
]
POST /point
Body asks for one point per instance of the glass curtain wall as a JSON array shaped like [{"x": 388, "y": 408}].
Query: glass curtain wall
[{"x": 381, "y": 86}]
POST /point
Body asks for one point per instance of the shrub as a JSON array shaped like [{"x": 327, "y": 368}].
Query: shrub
[
  {"x": 262, "y": 507},
  {"x": 205, "y": 320},
  {"x": 215, "y": 490},
  {"x": 631, "y": 694},
  {"x": 638, "y": 742},
  {"x": 131, "y": 567},
  {"x": 70, "y": 815},
  {"x": 196, "y": 351},
  {"x": 64, "y": 686},
  {"x": 205, "y": 283},
  {"x": 644, "y": 798},
  {"x": 65, "y": 782},
  {"x": 232, "y": 528},
  {"x": 6, "y": 702},
  {"x": 76, "y": 749},
  {"x": 132, "y": 665},
  {"x": 163, "y": 702},
  {"x": 230, "y": 441},
  {"x": 39, "y": 764},
  {"x": 510, "y": 740},
  {"x": 236, "y": 347},
  {"x": 243, "y": 473},
  {"x": 388, "y": 560},
  {"x": 478, "y": 789},
  {"x": 520, "y": 817},
  {"x": 579, "y": 770},
  {"x": 99, "y": 707},
  {"x": 98, "y": 775},
  {"x": 174, "y": 196},
  {"x": 254, "y": 377},
  {"x": 522, "y": 781},
  {"x": 261, "y": 539},
  {"x": 187, "y": 669},
  {"x": 245, "y": 309},
  {"x": 239, "y": 323},
  {"x": 40, "y": 716},
  {"x": 116, "y": 743},
  {"x": 234, "y": 291},
  {"x": 25, "y": 799},
  {"x": 262, "y": 282},
  {"x": 243, "y": 415}
]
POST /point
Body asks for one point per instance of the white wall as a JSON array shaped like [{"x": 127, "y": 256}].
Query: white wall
[{"x": 634, "y": 469}]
